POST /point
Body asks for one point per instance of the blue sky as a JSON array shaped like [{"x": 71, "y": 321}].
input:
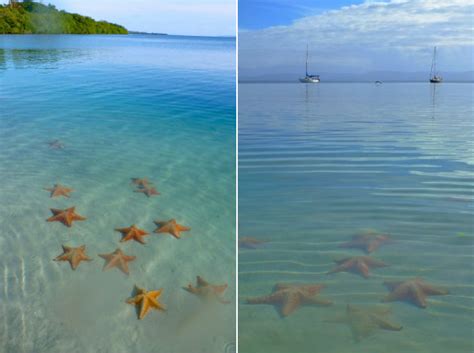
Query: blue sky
[
  {"x": 353, "y": 36},
  {"x": 187, "y": 17}
]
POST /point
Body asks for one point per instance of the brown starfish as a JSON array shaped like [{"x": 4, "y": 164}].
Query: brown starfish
[
  {"x": 170, "y": 227},
  {"x": 59, "y": 190},
  {"x": 56, "y": 145},
  {"x": 117, "y": 259},
  {"x": 290, "y": 296},
  {"x": 66, "y": 216},
  {"x": 357, "y": 264},
  {"x": 132, "y": 232},
  {"x": 146, "y": 300},
  {"x": 207, "y": 291},
  {"x": 368, "y": 242},
  {"x": 141, "y": 182},
  {"x": 250, "y": 243},
  {"x": 148, "y": 191},
  {"x": 363, "y": 321},
  {"x": 73, "y": 255},
  {"x": 415, "y": 290}
]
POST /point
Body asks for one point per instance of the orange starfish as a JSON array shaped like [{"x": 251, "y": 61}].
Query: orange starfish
[
  {"x": 146, "y": 300},
  {"x": 415, "y": 290},
  {"x": 59, "y": 190},
  {"x": 73, "y": 255},
  {"x": 66, "y": 216},
  {"x": 141, "y": 182},
  {"x": 117, "y": 259},
  {"x": 290, "y": 296},
  {"x": 148, "y": 191},
  {"x": 132, "y": 232},
  {"x": 357, "y": 264},
  {"x": 368, "y": 242},
  {"x": 171, "y": 227},
  {"x": 207, "y": 291},
  {"x": 250, "y": 243}
]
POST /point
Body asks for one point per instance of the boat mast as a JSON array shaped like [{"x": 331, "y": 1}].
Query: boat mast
[
  {"x": 433, "y": 64},
  {"x": 306, "y": 59}
]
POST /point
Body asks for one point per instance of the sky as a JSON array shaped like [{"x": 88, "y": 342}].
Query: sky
[
  {"x": 185, "y": 17},
  {"x": 354, "y": 36}
]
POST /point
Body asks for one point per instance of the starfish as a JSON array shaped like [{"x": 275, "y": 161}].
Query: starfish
[
  {"x": 290, "y": 296},
  {"x": 56, "y": 145},
  {"x": 148, "y": 191},
  {"x": 73, "y": 255},
  {"x": 415, "y": 290},
  {"x": 132, "y": 232},
  {"x": 170, "y": 227},
  {"x": 117, "y": 259},
  {"x": 363, "y": 321},
  {"x": 146, "y": 301},
  {"x": 207, "y": 291},
  {"x": 357, "y": 264},
  {"x": 59, "y": 190},
  {"x": 66, "y": 216},
  {"x": 368, "y": 242},
  {"x": 250, "y": 243},
  {"x": 141, "y": 182}
]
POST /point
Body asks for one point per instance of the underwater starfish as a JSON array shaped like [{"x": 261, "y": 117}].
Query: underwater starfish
[
  {"x": 363, "y": 321},
  {"x": 59, "y": 190},
  {"x": 148, "y": 191},
  {"x": 250, "y": 243},
  {"x": 207, "y": 291},
  {"x": 368, "y": 242},
  {"x": 414, "y": 290},
  {"x": 117, "y": 259},
  {"x": 146, "y": 301},
  {"x": 56, "y": 145},
  {"x": 170, "y": 227},
  {"x": 73, "y": 255},
  {"x": 141, "y": 182},
  {"x": 357, "y": 264},
  {"x": 132, "y": 232},
  {"x": 66, "y": 216},
  {"x": 288, "y": 297}
]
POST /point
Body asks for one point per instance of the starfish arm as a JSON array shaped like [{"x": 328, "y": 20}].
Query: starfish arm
[
  {"x": 385, "y": 324},
  {"x": 371, "y": 247},
  {"x": 341, "y": 261},
  {"x": 292, "y": 302},
  {"x": 191, "y": 289},
  {"x": 140, "y": 240},
  {"x": 375, "y": 263},
  {"x": 363, "y": 269},
  {"x": 183, "y": 228},
  {"x": 430, "y": 290},
  {"x": 418, "y": 297},
  {"x": 62, "y": 257},
  {"x": 76, "y": 217},
  {"x": 317, "y": 301},
  {"x": 336, "y": 269},
  {"x": 156, "y": 304},
  {"x": 220, "y": 289},
  {"x": 201, "y": 281},
  {"x": 145, "y": 306},
  {"x": 155, "y": 293}
]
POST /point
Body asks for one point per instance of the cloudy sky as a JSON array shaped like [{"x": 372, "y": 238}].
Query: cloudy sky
[
  {"x": 188, "y": 17},
  {"x": 354, "y": 36}
]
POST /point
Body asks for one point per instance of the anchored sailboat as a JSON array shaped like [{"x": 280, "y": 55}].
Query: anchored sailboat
[
  {"x": 309, "y": 78},
  {"x": 434, "y": 76}
]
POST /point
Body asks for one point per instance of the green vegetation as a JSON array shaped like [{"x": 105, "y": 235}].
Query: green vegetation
[{"x": 30, "y": 17}]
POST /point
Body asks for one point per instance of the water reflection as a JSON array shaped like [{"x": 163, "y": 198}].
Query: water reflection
[{"x": 27, "y": 58}]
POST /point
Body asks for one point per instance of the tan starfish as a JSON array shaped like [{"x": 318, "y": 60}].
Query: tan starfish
[
  {"x": 117, "y": 259},
  {"x": 170, "y": 227},
  {"x": 66, "y": 216},
  {"x": 146, "y": 300},
  {"x": 250, "y": 243},
  {"x": 132, "y": 232},
  {"x": 363, "y": 321},
  {"x": 369, "y": 241},
  {"x": 141, "y": 182},
  {"x": 59, "y": 190},
  {"x": 207, "y": 291},
  {"x": 73, "y": 255},
  {"x": 288, "y": 297},
  {"x": 357, "y": 264},
  {"x": 148, "y": 191},
  {"x": 414, "y": 290}
]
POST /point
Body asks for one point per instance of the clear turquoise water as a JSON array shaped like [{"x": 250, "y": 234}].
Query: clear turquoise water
[
  {"x": 319, "y": 163},
  {"x": 132, "y": 106}
]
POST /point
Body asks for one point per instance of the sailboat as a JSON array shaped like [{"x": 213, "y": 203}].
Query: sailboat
[
  {"x": 434, "y": 76},
  {"x": 309, "y": 78}
]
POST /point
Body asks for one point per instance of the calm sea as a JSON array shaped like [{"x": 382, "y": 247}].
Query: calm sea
[
  {"x": 161, "y": 107},
  {"x": 321, "y": 163}
]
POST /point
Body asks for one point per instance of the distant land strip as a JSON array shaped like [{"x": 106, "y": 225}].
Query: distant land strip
[{"x": 29, "y": 17}]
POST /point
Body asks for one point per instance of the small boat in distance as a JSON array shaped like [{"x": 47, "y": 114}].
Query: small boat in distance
[
  {"x": 309, "y": 78},
  {"x": 434, "y": 76}
]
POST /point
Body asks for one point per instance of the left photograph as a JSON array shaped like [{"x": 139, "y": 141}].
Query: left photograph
[{"x": 117, "y": 151}]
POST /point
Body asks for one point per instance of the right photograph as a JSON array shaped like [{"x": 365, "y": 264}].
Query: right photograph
[{"x": 356, "y": 176}]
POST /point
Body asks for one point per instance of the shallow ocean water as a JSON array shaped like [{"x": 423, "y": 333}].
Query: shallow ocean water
[
  {"x": 320, "y": 163},
  {"x": 124, "y": 107}
]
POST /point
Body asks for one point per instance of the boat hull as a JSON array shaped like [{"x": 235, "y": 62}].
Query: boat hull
[{"x": 309, "y": 80}]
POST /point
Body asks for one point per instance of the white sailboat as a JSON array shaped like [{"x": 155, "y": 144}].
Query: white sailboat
[
  {"x": 434, "y": 76},
  {"x": 309, "y": 78}
]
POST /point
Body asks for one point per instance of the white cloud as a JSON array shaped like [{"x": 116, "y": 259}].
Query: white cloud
[{"x": 375, "y": 35}]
